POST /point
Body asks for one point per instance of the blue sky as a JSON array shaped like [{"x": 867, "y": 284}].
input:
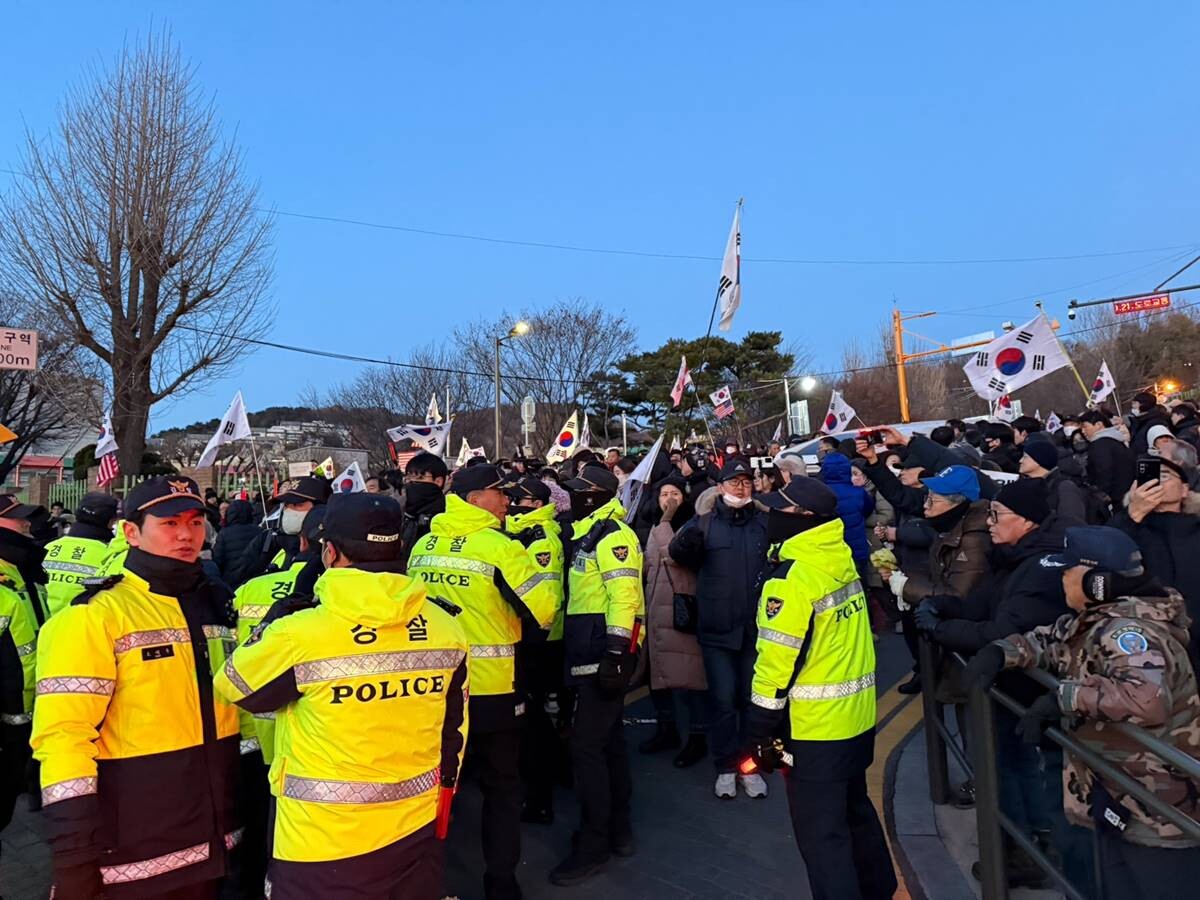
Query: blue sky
[{"x": 879, "y": 131}]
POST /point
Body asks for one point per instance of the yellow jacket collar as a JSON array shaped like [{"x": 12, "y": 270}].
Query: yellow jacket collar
[
  {"x": 821, "y": 548},
  {"x": 543, "y": 515},
  {"x": 461, "y": 518}
]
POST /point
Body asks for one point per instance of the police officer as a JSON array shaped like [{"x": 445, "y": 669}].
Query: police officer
[
  {"x": 21, "y": 556},
  {"x": 139, "y": 760},
  {"x": 601, "y": 633},
  {"x": 369, "y": 692},
  {"x": 274, "y": 551},
  {"x": 814, "y": 681},
  {"x": 80, "y": 553},
  {"x": 18, "y": 646},
  {"x": 531, "y": 520},
  {"x": 467, "y": 558}
]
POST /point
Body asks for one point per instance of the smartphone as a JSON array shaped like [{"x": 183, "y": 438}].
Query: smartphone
[{"x": 1147, "y": 470}]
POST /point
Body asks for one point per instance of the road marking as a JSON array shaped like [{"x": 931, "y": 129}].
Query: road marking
[{"x": 887, "y": 739}]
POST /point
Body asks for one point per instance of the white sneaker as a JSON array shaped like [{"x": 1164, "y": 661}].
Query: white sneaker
[
  {"x": 726, "y": 787},
  {"x": 754, "y": 786}
]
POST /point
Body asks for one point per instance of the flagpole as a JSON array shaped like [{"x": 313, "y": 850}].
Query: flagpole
[
  {"x": 1116, "y": 392},
  {"x": 1087, "y": 395},
  {"x": 262, "y": 493}
]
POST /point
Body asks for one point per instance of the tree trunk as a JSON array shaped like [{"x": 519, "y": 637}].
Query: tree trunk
[{"x": 131, "y": 413}]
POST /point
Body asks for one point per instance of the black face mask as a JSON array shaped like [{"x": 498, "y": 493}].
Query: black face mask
[
  {"x": 781, "y": 525},
  {"x": 514, "y": 510},
  {"x": 584, "y": 503},
  {"x": 419, "y": 495}
]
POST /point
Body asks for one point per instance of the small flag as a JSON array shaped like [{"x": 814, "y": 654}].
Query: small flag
[
  {"x": 777, "y": 437},
  {"x": 466, "y": 452},
  {"x": 326, "y": 468},
  {"x": 675, "y": 443},
  {"x": 234, "y": 426},
  {"x": 631, "y": 491},
  {"x": 1104, "y": 384},
  {"x": 682, "y": 380},
  {"x": 722, "y": 400},
  {"x": 432, "y": 415},
  {"x": 585, "y": 439},
  {"x": 839, "y": 415},
  {"x": 729, "y": 289},
  {"x": 1037, "y": 414},
  {"x": 1053, "y": 422},
  {"x": 1016, "y": 359},
  {"x": 107, "y": 442},
  {"x": 350, "y": 481},
  {"x": 434, "y": 438},
  {"x": 567, "y": 441},
  {"x": 1005, "y": 411}
]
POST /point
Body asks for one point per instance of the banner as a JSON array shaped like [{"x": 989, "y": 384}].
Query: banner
[
  {"x": 1016, "y": 359},
  {"x": 234, "y": 426}
]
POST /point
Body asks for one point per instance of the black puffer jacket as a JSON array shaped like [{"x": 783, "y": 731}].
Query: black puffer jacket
[
  {"x": 727, "y": 549},
  {"x": 1139, "y": 428},
  {"x": 1188, "y": 429},
  {"x": 1005, "y": 458},
  {"x": 232, "y": 540},
  {"x": 1110, "y": 465}
]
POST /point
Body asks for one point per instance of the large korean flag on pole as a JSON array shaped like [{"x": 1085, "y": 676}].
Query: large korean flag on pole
[
  {"x": 1016, "y": 359},
  {"x": 729, "y": 289},
  {"x": 433, "y": 438},
  {"x": 234, "y": 426}
]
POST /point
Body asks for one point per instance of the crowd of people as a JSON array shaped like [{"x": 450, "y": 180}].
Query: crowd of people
[{"x": 284, "y": 694}]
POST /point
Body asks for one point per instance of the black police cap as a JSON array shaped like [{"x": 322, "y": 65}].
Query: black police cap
[
  {"x": 530, "y": 488},
  {"x": 311, "y": 526},
  {"x": 97, "y": 507},
  {"x": 362, "y": 517},
  {"x": 480, "y": 478},
  {"x": 593, "y": 478},
  {"x": 805, "y": 493},
  {"x": 162, "y": 496}
]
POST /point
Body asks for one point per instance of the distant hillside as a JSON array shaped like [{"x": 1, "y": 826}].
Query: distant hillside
[{"x": 265, "y": 418}]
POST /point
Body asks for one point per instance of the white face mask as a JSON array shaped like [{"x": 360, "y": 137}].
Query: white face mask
[
  {"x": 1069, "y": 430},
  {"x": 736, "y": 502},
  {"x": 292, "y": 520}
]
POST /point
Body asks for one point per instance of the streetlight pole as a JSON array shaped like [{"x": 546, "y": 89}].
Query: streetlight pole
[{"x": 519, "y": 329}]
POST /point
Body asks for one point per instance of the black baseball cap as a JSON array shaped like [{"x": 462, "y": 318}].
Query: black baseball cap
[
  {"x": 97, "y": 507},
  {"x": 162, "y": 496},
  {"x": 806, "y": 493},
  {"x": 1100, "y": 547},
  {"x": 12, "y": 508},
  {"x": 483, "y": 477},
  {"x": 362, "y": 517},
  {"x": 310, "y": 487},
  {"x": 311, "y": 526},
  {"x": 734, "y": 468},
  {"x": 529, "y": 488},
  {"x": 593, "y": 478}
]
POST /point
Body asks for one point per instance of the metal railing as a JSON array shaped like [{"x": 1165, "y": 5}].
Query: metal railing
[{"x": 981, "y": 766}]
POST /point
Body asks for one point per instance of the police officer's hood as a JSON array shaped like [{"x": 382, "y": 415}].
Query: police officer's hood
[
  {"x": 610, "y": 510},
  {"x": 372, "y": 599},
  {"x": 543, "y": 515},
  {"x": 461, "y": 518},
  {"x": 822, "y": 548}
]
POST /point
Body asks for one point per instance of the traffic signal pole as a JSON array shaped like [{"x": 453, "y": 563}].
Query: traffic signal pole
[{"x": 902, "y": 357}]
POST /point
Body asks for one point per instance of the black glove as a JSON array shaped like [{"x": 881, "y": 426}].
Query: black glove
[
  {"x": 767, "y": 757},
  {"x": 926, "y": 616},
  {"x": 612, "y": 674},
  {"x": 1042, "y": 713},
  {"x": 983, "y": 668}
]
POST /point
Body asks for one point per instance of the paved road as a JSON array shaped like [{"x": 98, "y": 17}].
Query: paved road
[{"x": 689, "y": 844}]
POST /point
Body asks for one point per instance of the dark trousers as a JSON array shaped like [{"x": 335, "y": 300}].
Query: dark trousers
[
  {"x": 668, "y": 700},
  {"x": 248, "y": 860},
  {"x": 205, "y": 890},
  {"x": 602, "y": 777},
  {"x": 1073, "y": 842},
  {"x": 729, "y": 674},
  {"x": 1019, "y": 765},
  {"x": 411, "y": 869},
  {"x": 497, "y": 755},
  {"x": 543, "y": 754},
  {"x": 14, "y": 768},
  {"x": 1133, "y": 872},
  {"x": 840, "y": 838}
]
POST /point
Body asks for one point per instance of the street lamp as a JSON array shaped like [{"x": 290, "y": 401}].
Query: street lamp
[
  {"x": 807, "y": 383},
  {"x": 518, "y": 330}
]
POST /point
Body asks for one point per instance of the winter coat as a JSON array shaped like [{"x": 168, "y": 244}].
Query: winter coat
[
  {"x": 967, "y": 453},
  {"x": 239, "y": 532},
  {"x": 854, "y": 503},
  {"x": 1110, "y": 465},
  {"x": 1139, "y": 428},
  {"x": 1188, "y": 430},
  {"x": 1065, "y": 497},
  {"x": 1170, "y": 545},
  {"x": 959, "y": 559},
  {"x": 675, "y": 658},
  {"x": 1005, "y": 458},
  {"x": 727, "y": 549}
]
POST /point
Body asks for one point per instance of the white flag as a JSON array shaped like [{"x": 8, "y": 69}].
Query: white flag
[
  {"x": 1005, "y": 411},
  {"x": 675, "y": 443},
  {"x": 777, "y": 437},
  {"x": 1037, "y": 414},
  {"x": 1104, "y": 384},
  {"x": 1053, "y": 422},
  {"x": 434, "y": 438},
  {"x": 1016, "y": 359},
  {"x": 729, "y": 289},
  {"x": 839, "y": 415},
  {"x": 566, "y": 443},
  {"x": 682, "y": 380},
  {"x": 107, "y": 442},
  {"x": 234, "y": 426},
  {"x": 350, "y": 481},
  {"x": 630, "y": 493},
  {"x": 432, "y": 416},
  {"x": 585, "y": 439}
]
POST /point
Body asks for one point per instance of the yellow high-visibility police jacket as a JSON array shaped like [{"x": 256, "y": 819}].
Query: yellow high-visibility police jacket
[
  {"x": 118, "y": 548},
  {"x": 69, "y": 561},
  {"x": 816, "y": 655},
  {"x": 18, "y": 649},
  {"x": 33, "y": 596},
  {"x": 369, "y": 689},
  {"x": 604, "y": 596},
  {"x": 541, "y": 536},
  {"x": 470, "y": 561},
  {"x": 251, "y": 602},
  {"x": 125, "y": 710}
]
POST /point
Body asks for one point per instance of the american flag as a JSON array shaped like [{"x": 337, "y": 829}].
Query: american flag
[
  {"x": 722, "y": 402},
  {"x": 109, "y": 470}
]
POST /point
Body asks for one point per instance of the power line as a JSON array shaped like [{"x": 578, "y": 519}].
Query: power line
[{"x": 652, "y": 254}]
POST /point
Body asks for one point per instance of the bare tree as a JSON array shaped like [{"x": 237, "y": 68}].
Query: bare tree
[{"x": 136, "y": 228}]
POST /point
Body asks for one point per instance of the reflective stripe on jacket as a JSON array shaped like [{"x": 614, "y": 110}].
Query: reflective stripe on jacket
[
  {"x": 467, "y": 559},
  {"x": 541, "y": 536},
  {"x": 69, "y": 560},
  {"x": 251, "y": 602},
  {"x": 369, "y": 692},
  {"x": 816, "y": 656},
  {"x": 125, "y": 709},
  {"x": 605, "y": 594}
]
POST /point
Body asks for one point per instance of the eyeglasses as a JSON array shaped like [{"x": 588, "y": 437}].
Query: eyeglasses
[{"x": 993, "y": 515}]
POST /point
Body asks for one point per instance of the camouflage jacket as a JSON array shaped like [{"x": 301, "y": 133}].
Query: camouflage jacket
[{"x": 1124, "y": 661}]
